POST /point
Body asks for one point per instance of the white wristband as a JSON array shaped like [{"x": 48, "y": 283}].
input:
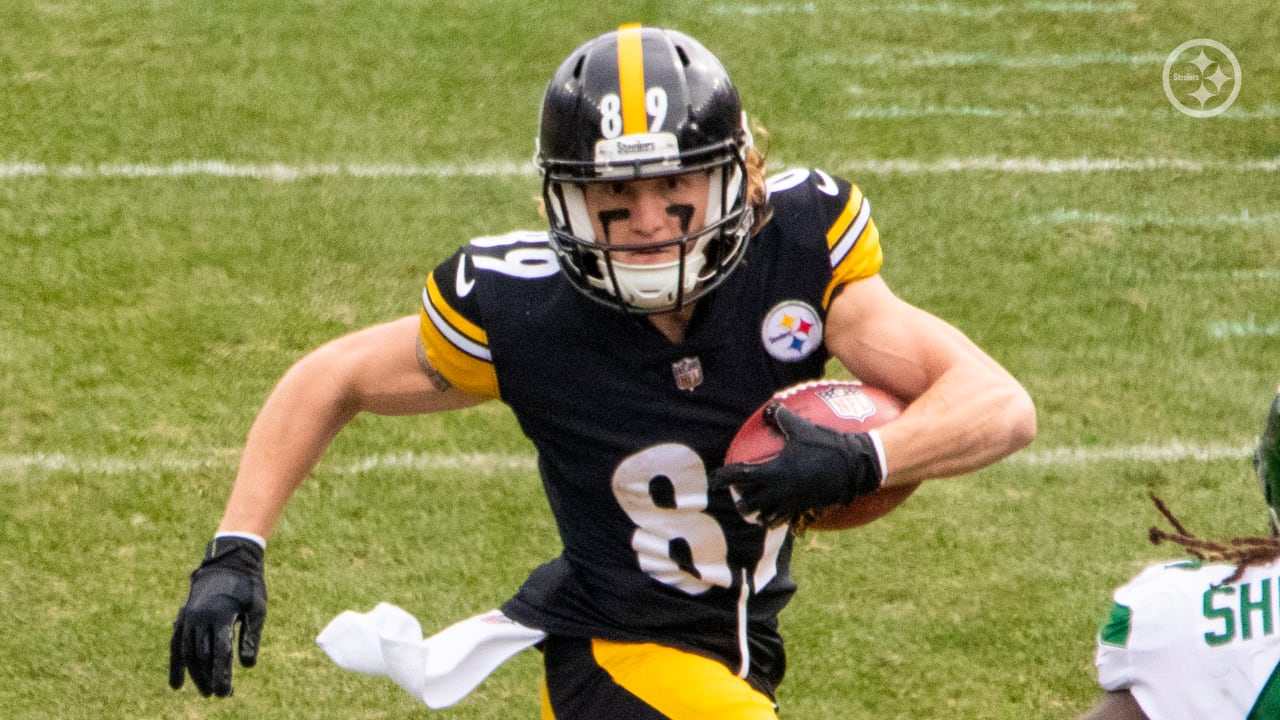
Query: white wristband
[
  {"x": 879, "y": 446},
  {"x": 261, "y": 541}
]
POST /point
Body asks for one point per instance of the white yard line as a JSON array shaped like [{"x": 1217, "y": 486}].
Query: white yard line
[
  {"x": 1244, "y": 218},
  {"x": 766, "y": 9},
  {"x": 281, "y": 172},
  {"x": 1249, "y": 327},
  {"x": 222, "y": 461},
  {"x": 1168, "y": 452},
  {"x": 284, "y": 172},
  {"x": 903, "y": 59},
  {"x": 20, "y": 465},
  {"x": 943, "y": 9},
  {"x": 913, "y": 112},
  {"x": 949, "y": 9},
  {"x": 1054, "y": 166}
]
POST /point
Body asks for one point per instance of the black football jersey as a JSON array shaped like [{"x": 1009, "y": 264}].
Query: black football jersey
[{"x": 627, "y": 425}]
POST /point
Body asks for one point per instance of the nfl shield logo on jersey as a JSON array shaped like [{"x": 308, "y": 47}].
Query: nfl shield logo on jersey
[{"x": 688, "y": 372}]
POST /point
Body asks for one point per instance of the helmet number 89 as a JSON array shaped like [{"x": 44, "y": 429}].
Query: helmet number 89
[{"x": 655, "y": 106}]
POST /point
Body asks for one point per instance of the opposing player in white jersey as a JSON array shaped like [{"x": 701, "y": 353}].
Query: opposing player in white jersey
[{"x": 1198, "y": 639}]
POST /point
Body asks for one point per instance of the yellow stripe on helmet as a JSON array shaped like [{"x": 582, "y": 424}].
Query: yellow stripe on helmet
[{"x": 631, "y": 79}]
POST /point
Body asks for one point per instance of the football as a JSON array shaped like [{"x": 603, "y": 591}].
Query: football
[{"x": 843, "y": 405}]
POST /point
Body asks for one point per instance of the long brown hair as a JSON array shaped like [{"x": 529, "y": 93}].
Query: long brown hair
[
  {"x": 1243, "y": 552},
  {"x": 756, "y": 195}
]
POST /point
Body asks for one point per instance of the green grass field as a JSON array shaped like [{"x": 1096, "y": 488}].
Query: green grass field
[{"x": 193, "y": 195}]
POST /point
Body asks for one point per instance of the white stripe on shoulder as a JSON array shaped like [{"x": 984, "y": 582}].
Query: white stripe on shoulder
[
  {"x": 460, "y": 341},
  {"x": 850, "y": 238}
]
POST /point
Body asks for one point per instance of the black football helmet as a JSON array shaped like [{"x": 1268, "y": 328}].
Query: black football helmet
[{"x": 643, "y": 102}]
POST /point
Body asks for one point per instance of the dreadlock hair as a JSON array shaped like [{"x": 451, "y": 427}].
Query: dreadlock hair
[{"x": 1242, "y": 551}]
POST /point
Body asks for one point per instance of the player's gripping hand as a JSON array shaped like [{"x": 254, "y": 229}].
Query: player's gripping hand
[
  {"x": 227, "y": 588},
  {"x": 816, "y": 468}
]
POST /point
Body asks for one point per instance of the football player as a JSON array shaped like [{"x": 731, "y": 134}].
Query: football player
[
  {"x": 1195, "y": 641},
  {"x": 674, "y": 292}
]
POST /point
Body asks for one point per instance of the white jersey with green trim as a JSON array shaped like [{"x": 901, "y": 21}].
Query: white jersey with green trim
[{"x": 1189, "y": 647}]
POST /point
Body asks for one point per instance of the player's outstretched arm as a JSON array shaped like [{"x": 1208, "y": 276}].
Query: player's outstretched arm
[
  {"x": 379, "y": 370},
  {"x": 373, "y": 370}
]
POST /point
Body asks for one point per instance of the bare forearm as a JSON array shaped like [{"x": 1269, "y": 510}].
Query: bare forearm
[
  {"x": 965, "y": 411},
  {"x": 970, "y": 418},
  {"x": 293, "y": 429},
  {"x": 375, "y": 370}
]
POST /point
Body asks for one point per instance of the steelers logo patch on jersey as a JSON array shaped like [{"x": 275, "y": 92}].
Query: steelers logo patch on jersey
[{"x": 791, "y": 331}]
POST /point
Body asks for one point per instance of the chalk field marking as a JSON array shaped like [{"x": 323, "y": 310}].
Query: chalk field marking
[
  {"x": 946, "y": 9},
  {"x": 1218, "y": 329},
  {"x": 281, "y": 172},
  {"x": 1243, "y": 218},
  {"x": 1053, "y": 166},
  {"x": 1249, "y": 327},
  {"x": 1170, "y": 452},
  {"x": 930, "y": 59},
  {"x": 989, "y": 11},
  {"x": 12, "y": 466},
  {"x": 898, "y": 112},
  {"x": 768, "y": 9}
]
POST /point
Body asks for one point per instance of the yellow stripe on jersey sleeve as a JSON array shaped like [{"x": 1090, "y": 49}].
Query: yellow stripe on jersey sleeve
[
  {"x": 854, "y": 243},
  {"x": 456, "y": 347},
  {"x": 846, "y": 218}
]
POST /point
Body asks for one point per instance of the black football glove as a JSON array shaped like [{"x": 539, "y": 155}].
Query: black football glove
[
  {"x": 226, "y": 589},
  {"x": 816, "y": 468}
]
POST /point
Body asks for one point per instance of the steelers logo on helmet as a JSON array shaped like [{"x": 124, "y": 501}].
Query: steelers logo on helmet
[
  {"x": 643, "y": 102},
  {"x": 791, "y": 331}
]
